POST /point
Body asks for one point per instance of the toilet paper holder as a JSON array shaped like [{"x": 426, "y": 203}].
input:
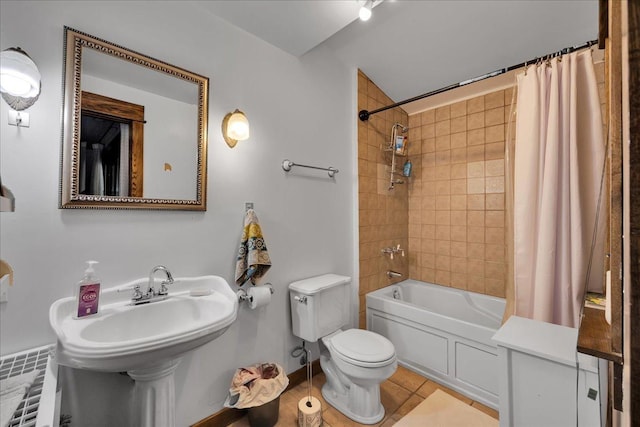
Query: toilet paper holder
[{"x": 244, "y": 297}]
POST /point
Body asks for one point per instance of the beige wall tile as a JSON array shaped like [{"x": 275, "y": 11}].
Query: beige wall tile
[
  {"x": 494, "y": 252},
  {"x": 459, "y": 233},
  {"x": 475, "y": 250},
  {"x": 458, "y": 155},
  {"x": 443, "y": 277},
  {"x": 475, "y": 136},
  {"x": 475, "y": 169},
  {"x": 495, "y": 201},
  {"x": 476, "y": 202},
  {"x": 428, "y": 260},
  {"x": 428, "y": 117},
  {"x": 443, "y": 113},
  {"x": 443, "y": 263},
  {"x": 458, "y": 186},
  {"x": 443, "y": 247},
  {"x": 458, "y": 249},
  {"x": 459, "y": 217},
  {"x": 443, "y": 217},
  {"x": 443, "y": 142},
  {"x": 494, "y": 133},
  {"x": 495, "y": 235},
  {"x": 475, "y": 104},
  {"x": 475, "y": 218},
  {"x": 495, "y": 287},
  {"x": 495, "y": 116},
  {"x": 443, "y": 127},
  {"x": 428, "y": 145},
  {"x": 475, "y": 153},
  {"x": 443, "y": 232},
  {"x": 494, "y": 219},
  {"x": 459, "y": 280},
  {"x": 458, "y": 171},
  {"x": 475, "y": 234},
  {"x": 494, "y": 184},
  {"x": 494, "y": 99},
  {"x": 475, "y": 284},
  {"x": 459, "y": 109},
  {"x": 459, "y": 264},
  {"x": 475, "y": 267},
  {"x": 443, "y": 172},
  {"x": 458, "y": 201},
  {"x": 443, "y": 203},
  {"x": 428, "y": 131},
  {"x": 494, "y": 269},
  {"x": 494, "y": 151},
  {"x": 475, "y": 185},
  {"x": 459, "y": 124},
  {"x": 443, "y": 187},
  {"x": 476, "y": 121},
  {"x": 459, "y": 140},
  {"x": 494, "y": 167}
]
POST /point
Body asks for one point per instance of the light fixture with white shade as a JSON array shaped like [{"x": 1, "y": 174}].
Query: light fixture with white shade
[
  {"x": 235, "y": 127},
  {"x": 19, "y": 79}
]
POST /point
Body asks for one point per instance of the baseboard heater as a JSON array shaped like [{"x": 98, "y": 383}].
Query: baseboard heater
[{"x": 40, "y": 407}]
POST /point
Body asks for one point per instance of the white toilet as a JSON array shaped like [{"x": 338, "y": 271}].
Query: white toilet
[{"x": 354, "y": 361}]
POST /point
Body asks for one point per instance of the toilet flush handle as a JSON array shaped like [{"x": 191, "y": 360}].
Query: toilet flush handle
[{"x": 300, "y": 299}]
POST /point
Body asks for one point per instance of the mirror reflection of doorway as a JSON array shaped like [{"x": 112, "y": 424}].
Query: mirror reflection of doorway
[
  {"x": 111, "y": 142},
  {"x": 104, "y": 146}
]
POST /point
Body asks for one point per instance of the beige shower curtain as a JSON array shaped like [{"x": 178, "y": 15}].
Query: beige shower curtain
[{"x": 557, "y": 165}]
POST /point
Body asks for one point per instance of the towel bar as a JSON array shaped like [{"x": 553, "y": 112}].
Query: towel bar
[{"x": 288, "y": 164}]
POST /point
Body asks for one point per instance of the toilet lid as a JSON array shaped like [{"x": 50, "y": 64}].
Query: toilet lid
[{"x": 363, "y": 346}]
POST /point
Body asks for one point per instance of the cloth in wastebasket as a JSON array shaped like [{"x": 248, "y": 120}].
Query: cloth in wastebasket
[{"x": 256, "y": 385}]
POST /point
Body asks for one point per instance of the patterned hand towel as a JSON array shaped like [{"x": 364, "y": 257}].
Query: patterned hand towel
[{"x": 253, "y": 259}]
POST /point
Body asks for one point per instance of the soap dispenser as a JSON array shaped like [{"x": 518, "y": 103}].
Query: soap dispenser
[{"x": 87, "y": 293}]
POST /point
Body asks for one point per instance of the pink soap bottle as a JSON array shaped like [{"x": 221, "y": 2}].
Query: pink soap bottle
[{"x": 87, "y": 293}]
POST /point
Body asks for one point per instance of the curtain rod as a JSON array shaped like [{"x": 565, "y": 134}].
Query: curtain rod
[{"x": 364, "y": 114}]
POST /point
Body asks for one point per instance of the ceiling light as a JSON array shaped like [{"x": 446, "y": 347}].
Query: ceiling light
[
  {"x": 365, "y": 10},
  {"x": 235, "y": 127}
]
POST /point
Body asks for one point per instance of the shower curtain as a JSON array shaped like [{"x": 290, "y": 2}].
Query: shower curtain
[{"x": 557, "y": 168}]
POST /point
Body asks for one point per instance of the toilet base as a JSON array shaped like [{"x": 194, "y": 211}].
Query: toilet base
[{"x": 366, "y": 401}]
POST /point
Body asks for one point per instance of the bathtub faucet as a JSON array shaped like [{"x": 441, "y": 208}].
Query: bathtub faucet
[
  {"x": 391, "y": 251},
  {"x": 393, "y": 274}
]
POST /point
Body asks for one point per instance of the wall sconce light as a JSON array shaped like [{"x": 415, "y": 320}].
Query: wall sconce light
[
  {"x": 235, "y": 127},
  {"x": 19, "y": 79}
]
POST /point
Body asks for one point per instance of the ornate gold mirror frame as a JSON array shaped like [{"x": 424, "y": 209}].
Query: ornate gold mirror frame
[{"x": 77, "y": 45}]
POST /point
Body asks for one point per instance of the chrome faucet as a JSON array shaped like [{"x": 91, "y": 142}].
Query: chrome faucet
[{"x": 163, "y": 285}]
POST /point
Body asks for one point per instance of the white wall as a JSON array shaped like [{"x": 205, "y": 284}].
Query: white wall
[{"x": 299, "y": 108}]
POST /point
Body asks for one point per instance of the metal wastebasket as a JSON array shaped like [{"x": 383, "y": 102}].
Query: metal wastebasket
[{"x": 264, "y": 415}]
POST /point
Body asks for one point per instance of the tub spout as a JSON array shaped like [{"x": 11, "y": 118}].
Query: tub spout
[{"x": 393, "y": 274}]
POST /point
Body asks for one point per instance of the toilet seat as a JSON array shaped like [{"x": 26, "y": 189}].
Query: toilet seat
[{"x": 363, "y": 348}]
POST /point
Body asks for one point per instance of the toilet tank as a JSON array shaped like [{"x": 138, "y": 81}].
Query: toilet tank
[{"x": 319, "y": 305}]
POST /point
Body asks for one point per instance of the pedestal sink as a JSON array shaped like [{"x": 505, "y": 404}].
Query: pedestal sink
[{"x": 147, "y": 340}]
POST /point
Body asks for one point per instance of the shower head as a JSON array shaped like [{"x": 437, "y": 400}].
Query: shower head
[{"x": 402, "y": 127}]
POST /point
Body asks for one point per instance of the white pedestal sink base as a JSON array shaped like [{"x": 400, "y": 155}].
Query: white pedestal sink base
[{"x": 154, "y": 395}]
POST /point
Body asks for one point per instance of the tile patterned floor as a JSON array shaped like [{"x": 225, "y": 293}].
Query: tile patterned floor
[{"x": 399, "y": 395}]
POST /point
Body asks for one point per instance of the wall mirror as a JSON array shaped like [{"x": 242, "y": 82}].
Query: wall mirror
[{"x": 134, "y": 130}]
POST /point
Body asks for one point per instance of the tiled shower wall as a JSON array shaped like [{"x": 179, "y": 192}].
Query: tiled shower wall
[
  {"x": 383, "y": 214},
  {"x": 456, "y": 197},
  {"x": 451, "y": 212}
]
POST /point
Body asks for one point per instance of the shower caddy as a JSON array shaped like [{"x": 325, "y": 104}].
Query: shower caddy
[{"x": 396, "y": 152}]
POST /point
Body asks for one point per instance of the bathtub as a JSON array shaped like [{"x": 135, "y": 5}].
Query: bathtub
[{"x": 441, "y": 333}]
